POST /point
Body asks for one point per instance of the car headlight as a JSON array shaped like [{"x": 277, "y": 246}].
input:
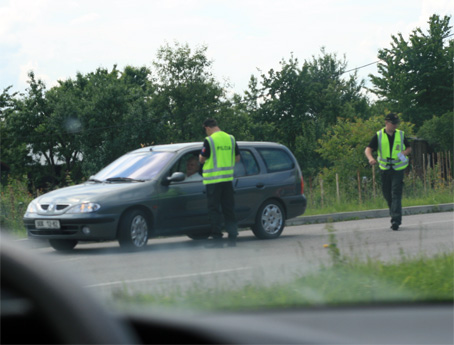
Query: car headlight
[
  {"x": 32, "y": 208},
  {"x": 85, "y": 207}
]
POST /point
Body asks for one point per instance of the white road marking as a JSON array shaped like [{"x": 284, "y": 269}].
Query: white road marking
[{"x": 168, "y": 277}]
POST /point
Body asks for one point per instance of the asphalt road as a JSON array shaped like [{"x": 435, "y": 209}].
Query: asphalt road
[{"x": 181, "y": 263}]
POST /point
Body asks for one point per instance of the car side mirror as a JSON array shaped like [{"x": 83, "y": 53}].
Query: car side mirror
[{"x": 176, "y": 177}]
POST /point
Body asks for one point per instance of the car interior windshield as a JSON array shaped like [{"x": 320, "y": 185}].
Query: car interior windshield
[{"x": 139, "y": 166}]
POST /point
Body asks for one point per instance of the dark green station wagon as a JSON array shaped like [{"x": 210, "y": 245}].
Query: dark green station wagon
[{"x": 148, "y": 193}]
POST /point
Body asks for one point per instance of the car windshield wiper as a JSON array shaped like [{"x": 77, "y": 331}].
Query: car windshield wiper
[
  {"x": 94, "y": 180},
  {"x": 123, "y": 179}
]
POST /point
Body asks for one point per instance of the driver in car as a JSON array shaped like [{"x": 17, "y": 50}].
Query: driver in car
[{"x": 192, "y": 169}]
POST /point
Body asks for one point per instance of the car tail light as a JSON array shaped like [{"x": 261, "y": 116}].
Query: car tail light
[{"x": 302, "y": 185}]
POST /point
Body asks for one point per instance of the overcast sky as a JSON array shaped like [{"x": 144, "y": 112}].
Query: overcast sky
[{"x": 58, "y": 38}]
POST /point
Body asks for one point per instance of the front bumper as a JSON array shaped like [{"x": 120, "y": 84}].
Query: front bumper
[{"x": 101, "y": 227}]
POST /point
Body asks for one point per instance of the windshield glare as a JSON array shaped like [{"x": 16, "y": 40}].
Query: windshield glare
[{"x": 139, "y": 166}]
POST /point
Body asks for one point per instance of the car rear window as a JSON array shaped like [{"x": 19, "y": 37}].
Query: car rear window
[{"x": 276, "y": 159}]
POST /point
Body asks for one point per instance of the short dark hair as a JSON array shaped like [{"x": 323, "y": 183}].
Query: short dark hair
[{"x": 210, "y": 123}]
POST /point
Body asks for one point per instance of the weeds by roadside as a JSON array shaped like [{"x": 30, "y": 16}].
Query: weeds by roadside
[
  {"x": 349, "y": 281},
  {"x": 13, "y": 204}
]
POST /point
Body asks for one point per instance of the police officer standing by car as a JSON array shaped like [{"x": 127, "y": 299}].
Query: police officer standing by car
[
  {"x": 393, "y": 149},
  {"x": 219, "y": 154}
]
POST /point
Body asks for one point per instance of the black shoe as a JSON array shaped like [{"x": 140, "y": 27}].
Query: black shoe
[
  {"x": 231, "y": 243},
  {"x": 395, "y": 226},
  {"x": 215, "y": 243}
]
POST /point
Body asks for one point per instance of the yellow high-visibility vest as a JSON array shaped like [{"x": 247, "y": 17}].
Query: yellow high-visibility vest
[
  {"x": 219, "y": 166},
  {"x": 384, "y": 161}
]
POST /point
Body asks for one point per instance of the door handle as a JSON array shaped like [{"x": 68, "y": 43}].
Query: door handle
[{"x": 260, "y": 185}]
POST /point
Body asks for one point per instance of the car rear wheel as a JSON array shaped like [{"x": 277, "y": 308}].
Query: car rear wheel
[
  {"x": 133, "y": 231},
  {"x": 270, "y": 220},
  {"x": 63, "y": 245}
]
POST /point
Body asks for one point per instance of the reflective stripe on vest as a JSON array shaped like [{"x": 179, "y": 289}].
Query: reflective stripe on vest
[
  {"x": 383, "y": 151},
  {"x": 219, "y": 166}
]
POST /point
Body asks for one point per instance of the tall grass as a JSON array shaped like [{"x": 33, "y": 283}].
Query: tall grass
[
  {"x": 416, "y": 192},
  {"x": 14, "y": 200},
  {"x": 343, "y": 280},
  {"x": 348, "y": 281}
]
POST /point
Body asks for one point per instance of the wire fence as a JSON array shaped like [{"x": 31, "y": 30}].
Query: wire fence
[{"x": 433, "y": 175}]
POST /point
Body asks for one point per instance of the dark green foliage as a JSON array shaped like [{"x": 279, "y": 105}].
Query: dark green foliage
[
  {"x": 302, "y": 102},
  {"x": 417, "y": 74},
  {"x": 439, "y": 132},
  {"x": 82, "y": 124}
]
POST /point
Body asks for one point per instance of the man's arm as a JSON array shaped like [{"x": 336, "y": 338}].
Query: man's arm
[
  {"x": 237, "y": 153},
  {"x": 370, "y": 158},
  {"x": 205, "y": 153},
  {"x": 407, "y": 150}
]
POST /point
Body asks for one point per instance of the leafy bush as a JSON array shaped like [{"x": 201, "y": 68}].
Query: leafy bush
[
  {"x": 14, "y": 201},
  {"x": 438, "y": 132}
]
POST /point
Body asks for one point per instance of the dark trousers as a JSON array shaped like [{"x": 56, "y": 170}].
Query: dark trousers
[
  {"x": 221, "y": 201},
  {"x": 392, "y": 186}
]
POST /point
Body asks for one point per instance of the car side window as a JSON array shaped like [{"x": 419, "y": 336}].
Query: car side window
[
  {"x": 190, "y": 166},
  {"x": 276, "y": 159},
  {"x": 239, "y": 169},
  {"x": 250, "y": 164},
  {"x": 247, "y": 165}
]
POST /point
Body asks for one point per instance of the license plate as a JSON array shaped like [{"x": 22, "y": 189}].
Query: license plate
[{"x": 47, "y": 224}]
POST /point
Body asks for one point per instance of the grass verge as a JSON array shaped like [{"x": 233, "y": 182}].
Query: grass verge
[{"x": 347, "y": 281}]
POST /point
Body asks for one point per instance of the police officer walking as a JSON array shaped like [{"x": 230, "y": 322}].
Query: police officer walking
[
  {"x": 393, "y": 149},
  {"x": 218, "y": 156}
]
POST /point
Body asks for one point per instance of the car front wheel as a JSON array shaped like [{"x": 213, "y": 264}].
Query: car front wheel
[
  {"x": 270, "y": 220},
  {"x": 133, "y": 231}
]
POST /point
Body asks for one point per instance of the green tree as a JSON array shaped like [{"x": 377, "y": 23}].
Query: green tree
[
  {"x": 284, "y": 95},
  {"x": 114, "y": 114},
  {"x": 187, "y": 92},
  {"x": 13, "y": 156},
  {"x": 34, "y": 139},
  {"x": 301, "y": 102},
  {"x": 439, "y": 132},
  {"x": 332, "y": 93},
  {"x": 81, "y": 125},
  {"x": 417, "y": 74}
]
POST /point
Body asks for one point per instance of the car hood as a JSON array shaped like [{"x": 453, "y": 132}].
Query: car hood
[{"x": 94, "y": 192}]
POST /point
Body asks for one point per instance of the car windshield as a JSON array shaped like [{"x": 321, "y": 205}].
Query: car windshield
[{"x": 136, "y": 166}]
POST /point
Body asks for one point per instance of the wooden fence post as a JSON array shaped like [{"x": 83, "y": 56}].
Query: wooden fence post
[
  {"x": 449, "y": 165},
  {"x": 359, "y": 187},
  {"x": 321, "y": 192},
  {"x": 439, "y": 161},
  {"x": 373, "y": 180},
  {"x": 310, "y": 189},
  {"x": 424, "y": 172},
  {"x": 337, "y": 187}
]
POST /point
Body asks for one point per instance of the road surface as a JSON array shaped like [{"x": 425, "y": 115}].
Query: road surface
[{"x": 181, "y": 263}]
